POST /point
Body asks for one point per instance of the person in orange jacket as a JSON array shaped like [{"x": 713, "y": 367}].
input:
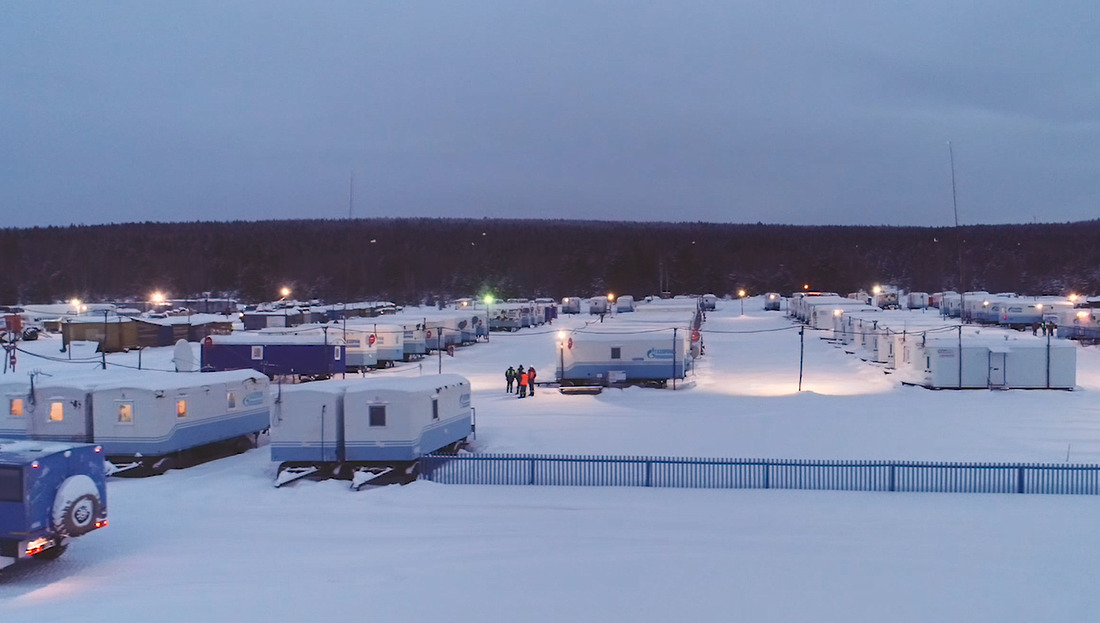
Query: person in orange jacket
[{"x": 522, "y": 376}]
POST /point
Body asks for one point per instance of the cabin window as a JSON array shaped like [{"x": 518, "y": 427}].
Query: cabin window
[
  {"x": 181, "y": 408},
  {"x": 927, "y": 363},
  {"x": 336, "y": 353},
  {"x": 377, "y": 415},
  {"x": 616, "y": 352},
  {"x": 257, "y": 353},
  {"x": 126, "y": 413},
  {"x": 11, "y": 484},
  {"x": 435, "y": 408},
  {"x": 15, "y": 409},
  {"x": 57, "y": 411},
  {"x": 231, "y": 400}
]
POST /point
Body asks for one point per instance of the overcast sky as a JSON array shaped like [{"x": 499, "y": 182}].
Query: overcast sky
[{"x": 800, "y": 112}]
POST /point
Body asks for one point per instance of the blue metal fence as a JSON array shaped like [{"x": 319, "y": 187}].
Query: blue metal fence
[{"x": 706, "y": 473}]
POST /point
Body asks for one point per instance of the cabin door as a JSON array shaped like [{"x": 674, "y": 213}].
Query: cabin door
[{"x": 997, "y": 369}]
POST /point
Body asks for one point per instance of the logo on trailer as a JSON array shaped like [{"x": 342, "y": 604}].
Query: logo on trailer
[
  {"x": 370, "y": 340},
  {"x": 659, "y": 353},
  {"x": 569, "y": 344},
  {"x": 428, "y": 334},
  {"x": 253, "y": 399}
]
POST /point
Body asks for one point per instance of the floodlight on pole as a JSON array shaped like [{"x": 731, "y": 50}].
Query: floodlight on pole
[{"x": 488, "y": 317}]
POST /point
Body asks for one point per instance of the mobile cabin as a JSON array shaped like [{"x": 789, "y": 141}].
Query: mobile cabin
[
  {"x": 773, "y": 301},
  {"x": 624, "y": 303},
  {"x": 989, "y": 362},
  {"x": 916, "y": 300},
  {"x": 598, "y": 305},
  {"x": 709, "y": 302},
  {"x": 16, "y": 404},
  {"x": 302, "y": 356},
  {"x": 284, "y": 318},
  {"x": 571, "y": 305},
  {"x": 152, "y": 420},
  {"x": 343, "y": 425},
  {"x": 592, "y": 357}
]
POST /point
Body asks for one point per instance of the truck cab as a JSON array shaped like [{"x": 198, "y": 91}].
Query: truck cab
[{"x": 50, "y": 492}]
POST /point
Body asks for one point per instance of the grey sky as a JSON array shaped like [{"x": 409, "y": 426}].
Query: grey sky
[{"x": 801, "y": 112}]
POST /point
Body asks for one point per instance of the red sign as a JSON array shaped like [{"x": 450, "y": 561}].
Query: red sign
[
  {"x": 569, "y": 344},
  {"x": 428, "y": 334},
  {"x": 694, "y": 336},
  {"x": 370, "y": 340}
]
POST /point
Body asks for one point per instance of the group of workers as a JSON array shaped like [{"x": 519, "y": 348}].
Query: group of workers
[{"x": 524, "y": 380}]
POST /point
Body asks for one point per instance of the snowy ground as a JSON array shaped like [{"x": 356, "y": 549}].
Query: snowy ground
[{"x": 217, "y": 542}]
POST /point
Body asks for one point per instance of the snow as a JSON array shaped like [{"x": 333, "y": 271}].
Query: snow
[{"x": 218, "y": 542}]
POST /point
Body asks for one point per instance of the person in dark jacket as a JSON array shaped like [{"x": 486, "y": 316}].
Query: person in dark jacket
[
  {"x": 521, "y": 382},
  {"x": 509, "y": 378},
  {"x": 531, "y": 380}
]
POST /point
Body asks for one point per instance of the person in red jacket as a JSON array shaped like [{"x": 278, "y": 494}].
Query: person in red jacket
[{"x": 531, "y": 380}]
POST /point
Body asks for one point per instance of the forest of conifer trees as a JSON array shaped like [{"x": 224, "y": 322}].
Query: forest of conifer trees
[{"x": 412, "y": 260}]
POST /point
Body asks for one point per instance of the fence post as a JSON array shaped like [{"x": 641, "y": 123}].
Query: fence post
[
  {"x": 649, "y": 473},
  {"x": 531, "y": 480},
  {"x": 1019, "y": 480},
  {"x": 891, "y": 477},
  {"x": 767, "y": 485}
]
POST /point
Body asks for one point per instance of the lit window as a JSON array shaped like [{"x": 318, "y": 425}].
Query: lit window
[
  {"x": 231, "y": 400},
  {"x": 125, "y": 413},
  {"x": 57, "y": 411},
  {"x": 16, "y": 409},
  {"x": 181, "y": 408},
  {"x": 377, "y": 415}
]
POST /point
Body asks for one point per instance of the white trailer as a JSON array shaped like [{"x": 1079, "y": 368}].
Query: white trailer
[
  {"x": 153, "y": 420},
  {"x": 361, "y": 428},
  {"x": 992, "y": 362},
  {"x": 13, "y": 419}
]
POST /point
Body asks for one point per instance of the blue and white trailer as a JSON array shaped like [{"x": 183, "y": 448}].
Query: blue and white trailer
[
  {"x": 598, "y": 305},
  {"x": 49, "y": 493},
  {"x": 571, "y": 305},
  {"x": 13, "y": 419},
  {"x": 363, "y": 428},
  {"x": 598, "y": 358},
  {"x": 150, "y": 422},
  {"x": 772, "y": 301}
]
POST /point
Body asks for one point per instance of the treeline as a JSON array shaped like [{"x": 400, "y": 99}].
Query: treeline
[{"x": 415, "y": 260}]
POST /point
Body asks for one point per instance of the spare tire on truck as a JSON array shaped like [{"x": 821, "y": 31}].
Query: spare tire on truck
[{"x": 77, "y": 506}]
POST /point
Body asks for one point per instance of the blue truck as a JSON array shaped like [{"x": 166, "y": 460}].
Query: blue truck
[{"x": 50, "y": 492}]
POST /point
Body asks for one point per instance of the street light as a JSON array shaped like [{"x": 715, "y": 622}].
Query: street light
[
  {"x": 561, "y": 356},
  {"x": 741, "y": 293},
  {"x": 611, "y": 303},
  {"x": 285, "y": 291},
  {"x": 488, "y": 328}
]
